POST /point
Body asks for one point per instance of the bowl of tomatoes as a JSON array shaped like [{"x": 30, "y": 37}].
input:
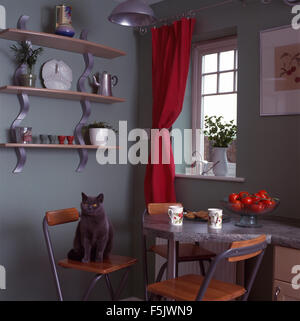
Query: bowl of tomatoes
[{"x": 250, "y": 206}]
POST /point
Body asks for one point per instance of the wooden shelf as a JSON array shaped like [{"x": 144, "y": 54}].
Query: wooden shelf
[
  {"x": 61, "y": 146},
  {"x": 60, "y": 94},
  {"x": 60, "y": 42}
]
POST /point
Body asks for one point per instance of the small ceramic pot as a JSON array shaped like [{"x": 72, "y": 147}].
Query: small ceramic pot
[
  {"x": 99, "y": 136},
  {"x": 70, "y": 140},
  {"x": 43, "y": 139},
  {"x": 61, "y": 139},
  {"x": 52, "y": 139}
]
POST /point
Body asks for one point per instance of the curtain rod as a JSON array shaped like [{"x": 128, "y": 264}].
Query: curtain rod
[{"x": 187, "y": 14}]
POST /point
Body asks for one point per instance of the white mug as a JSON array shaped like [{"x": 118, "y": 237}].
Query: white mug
[
  {"x": 176, "y": 215},
  {"x": 215, "y": 218}
]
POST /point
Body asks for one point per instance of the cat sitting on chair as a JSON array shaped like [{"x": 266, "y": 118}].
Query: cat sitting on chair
[{"x": 94, "y": 234}]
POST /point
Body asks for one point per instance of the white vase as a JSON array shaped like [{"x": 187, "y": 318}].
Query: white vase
[
  {"x": 98, "y": 136},
  {"x": 219, "y": 154}
]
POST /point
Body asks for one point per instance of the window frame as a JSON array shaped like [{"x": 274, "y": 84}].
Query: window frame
[{"x": 199, "y": 50}]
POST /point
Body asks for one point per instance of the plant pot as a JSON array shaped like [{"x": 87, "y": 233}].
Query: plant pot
[
  {"x": 99, "y": 136},
  {"x": 219, "y": 154},
  {"x": 27, "y": 80}
]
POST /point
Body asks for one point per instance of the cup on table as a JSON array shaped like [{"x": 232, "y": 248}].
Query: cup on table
[
  {"x": 215, "y": 218},
  {"x": 176, "y": 215}
]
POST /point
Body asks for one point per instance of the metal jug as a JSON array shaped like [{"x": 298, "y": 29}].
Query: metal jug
[{"x": 105, "y": 83}]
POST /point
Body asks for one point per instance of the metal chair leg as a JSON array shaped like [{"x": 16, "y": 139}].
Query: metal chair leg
[
  {"x": 202, "y": 269},
  {"x": 122, "y": 284},
  {"x": 109, "y": 286},
  {"x": 158, "y": 279},
  {"x": 91, "y": 286},
  {"x": 161, "y": 272}
]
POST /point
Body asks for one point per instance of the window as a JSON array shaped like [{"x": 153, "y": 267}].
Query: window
[{"x": 214, "y": 90}]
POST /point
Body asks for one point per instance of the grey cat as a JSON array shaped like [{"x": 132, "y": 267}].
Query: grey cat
[{"x": 94, "y": 234}]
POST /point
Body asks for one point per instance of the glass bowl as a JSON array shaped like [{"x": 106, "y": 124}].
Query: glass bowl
[{"x": 249, "y": 218}]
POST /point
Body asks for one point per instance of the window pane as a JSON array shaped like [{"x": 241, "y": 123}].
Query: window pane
[
  {"x": 221, "y": 105},
  {"x": 226, "y": 82},
  {"x": 209, "y": 84},
  {"x": 236, "y": 81},
  {"x": 210, "y": 63},
  {"x": 227, "y": 60}
]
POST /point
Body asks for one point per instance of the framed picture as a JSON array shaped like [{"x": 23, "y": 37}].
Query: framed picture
[{"x": 280, "y": 71}]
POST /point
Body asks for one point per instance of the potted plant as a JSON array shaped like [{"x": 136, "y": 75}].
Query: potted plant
[
  {"x": 221, "y": 134},
  {"x": 27, "y": 56},
  {"x": 98, "y": 133}
]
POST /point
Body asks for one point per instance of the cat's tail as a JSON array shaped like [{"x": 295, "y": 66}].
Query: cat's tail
[{"x": 75, "y": 255}]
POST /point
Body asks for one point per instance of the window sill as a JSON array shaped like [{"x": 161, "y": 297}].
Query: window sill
[{"x": 213, "y": 178}]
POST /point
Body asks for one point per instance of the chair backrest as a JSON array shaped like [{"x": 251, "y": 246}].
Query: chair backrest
[
  {"x": 239, "y": 251},
  {"x": 247, "y": 243},
  {"x": 160, "y": 208},
  {"x": 62, "y": 216}
]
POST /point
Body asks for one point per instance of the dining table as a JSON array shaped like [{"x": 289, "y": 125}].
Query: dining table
[{"x": 280, "y": 231}]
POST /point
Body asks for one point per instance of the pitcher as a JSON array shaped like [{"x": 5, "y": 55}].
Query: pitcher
[{"x": 105, "y": 83}]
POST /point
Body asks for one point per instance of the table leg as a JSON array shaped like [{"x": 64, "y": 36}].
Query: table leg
[{"x": 171, "y": 268}]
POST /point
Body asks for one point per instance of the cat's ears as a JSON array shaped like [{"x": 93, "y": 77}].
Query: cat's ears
[
  {"x": 100, "y": 198},
  {"x": 84, "y": 197}
]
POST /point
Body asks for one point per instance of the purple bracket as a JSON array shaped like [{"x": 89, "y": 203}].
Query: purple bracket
[
  {"x": 85, "y": 104},
  {"x": 24, "y": 103}
]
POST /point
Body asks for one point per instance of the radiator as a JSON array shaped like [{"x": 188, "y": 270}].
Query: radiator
[{"x": 225, "y": 271}]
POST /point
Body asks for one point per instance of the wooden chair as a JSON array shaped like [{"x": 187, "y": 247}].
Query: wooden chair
[
  {"x": 186, "y": 252},
  {"x": 111, "y": 264},
  {"x": 196, "y": 287}
]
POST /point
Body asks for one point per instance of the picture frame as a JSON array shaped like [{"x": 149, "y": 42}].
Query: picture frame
[{"x": 280, "y": 71}]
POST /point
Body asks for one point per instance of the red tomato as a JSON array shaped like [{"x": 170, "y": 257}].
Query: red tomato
[
  {"x": 236, "y": 206},
  {"x": 247, "y": 201},
  {"x": 269, "y": 203},
  {"x": 256, "y": 198},
  {"x": 257, "y": 207},
  {"x": 243, "y": 194},
  {"x": 263, "y": 193},
  {"x": 233, "y": 197}
]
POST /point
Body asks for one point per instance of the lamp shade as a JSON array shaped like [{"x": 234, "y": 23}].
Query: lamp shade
[{"x": 132, "y": 13}]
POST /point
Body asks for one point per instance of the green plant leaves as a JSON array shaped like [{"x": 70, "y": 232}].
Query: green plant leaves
[
  {"x": 24, "y": 54},
  {"x": 220, "y": 133}
]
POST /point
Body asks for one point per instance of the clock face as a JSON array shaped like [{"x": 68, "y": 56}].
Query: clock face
[{"x": 57, "y": 75}]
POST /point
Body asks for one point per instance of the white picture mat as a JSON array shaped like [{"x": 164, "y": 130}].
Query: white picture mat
[{"x": 276, "y": 102}]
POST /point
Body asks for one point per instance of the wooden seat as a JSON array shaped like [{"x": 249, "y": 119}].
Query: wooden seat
[
  {"x": 111, "y": 264},
  {"x": 101, "y": 269},
  {"x": 186, "y": 288},
  {"x": 186, "y": 252},
  {"x": 196, "y": 287}
]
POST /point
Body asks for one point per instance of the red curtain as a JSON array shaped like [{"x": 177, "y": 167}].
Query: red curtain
[{"x": 171, "y": 48}]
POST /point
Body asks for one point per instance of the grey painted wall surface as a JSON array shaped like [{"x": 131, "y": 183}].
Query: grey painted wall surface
[
  {"x": 268, "y": 151},
  {"x": 49, "y": 180}
]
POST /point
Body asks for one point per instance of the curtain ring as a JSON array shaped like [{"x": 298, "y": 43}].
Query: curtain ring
[{"x": 143, "y": 30}]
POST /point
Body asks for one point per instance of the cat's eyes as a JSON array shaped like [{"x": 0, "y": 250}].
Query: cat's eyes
[{"x": 95, "y": 205}]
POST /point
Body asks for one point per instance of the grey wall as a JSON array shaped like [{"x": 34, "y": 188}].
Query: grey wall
[
  {"x": 49, "y": 180},
  {"x": 268, "y": 151}
]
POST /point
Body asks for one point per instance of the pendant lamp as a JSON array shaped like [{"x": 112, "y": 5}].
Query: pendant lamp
[{"x": 133, "y": 13}]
